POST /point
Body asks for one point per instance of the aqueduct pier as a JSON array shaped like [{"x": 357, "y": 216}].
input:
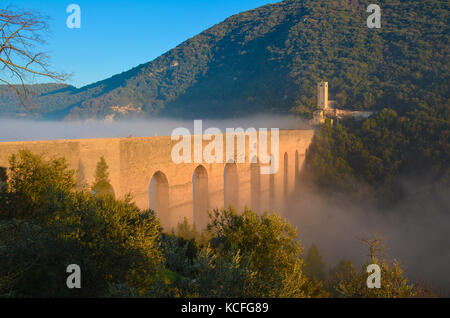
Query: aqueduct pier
[{"x": 143, "y": 167}]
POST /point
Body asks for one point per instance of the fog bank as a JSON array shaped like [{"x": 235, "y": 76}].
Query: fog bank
[
  {"x": 416, "y": 231},
  {"x": 27, "y": 130}
]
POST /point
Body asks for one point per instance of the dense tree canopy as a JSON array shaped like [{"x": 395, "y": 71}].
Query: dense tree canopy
[
  {"x": 124, "y": 253},
  {"x": 376, "y": 155}
]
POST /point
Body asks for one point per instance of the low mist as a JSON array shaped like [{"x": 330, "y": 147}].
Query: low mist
[
  {"x": 416, "y": 231},
  {"x": 27, "y": 130}
]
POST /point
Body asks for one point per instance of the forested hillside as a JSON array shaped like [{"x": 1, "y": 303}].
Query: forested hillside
[
  {"x": 384, "y": 156},
  {"x": 12, "y": 104},
  {"x": 270, "y": 59}
]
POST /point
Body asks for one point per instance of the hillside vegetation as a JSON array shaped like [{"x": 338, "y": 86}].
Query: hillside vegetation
[
  {"x": 46, "y": 224},
  {"x": 385, "y": 156},
  {"x": 270, "y": 59}
]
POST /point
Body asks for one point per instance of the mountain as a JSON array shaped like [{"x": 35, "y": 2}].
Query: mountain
[
  {"x": 12, "y": 105},
  {"x": 269, "y": 60}
]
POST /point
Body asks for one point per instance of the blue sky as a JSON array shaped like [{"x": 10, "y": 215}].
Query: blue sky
[{"x": 117, "y": 35}]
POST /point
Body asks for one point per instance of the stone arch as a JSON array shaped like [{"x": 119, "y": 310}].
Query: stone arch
[
  {"x": 272, "y": 186},
  {"x": 272, "y": 191},
  {"x": 230, "y": 185},
  {"x": 285, "y": 174},
  {"x": 159, "y": 198},
  {"x": 255, "y": 184},
  {"x": 200, "y": 197},
  {"x": 297, "y": 168}
]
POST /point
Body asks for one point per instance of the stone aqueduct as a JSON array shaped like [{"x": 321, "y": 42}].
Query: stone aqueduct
[{"x": 143, "y": 167}]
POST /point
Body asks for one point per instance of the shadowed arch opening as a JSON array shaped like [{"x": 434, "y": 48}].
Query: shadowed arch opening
[
  {"x": 286, "y": 174},
  {"x": 159, "y": 198},
  {"x": 231, "y": 185},
  {"x": 200, "y": 197},
  {"x": 271, "y": 186},
  {"x": 297, "y": 169},
  {"x": 255, "y": 184},
  {"x": 272, "y": 191}
]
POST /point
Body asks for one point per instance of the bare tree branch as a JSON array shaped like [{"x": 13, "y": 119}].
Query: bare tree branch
[
  {"x": 376, "y": 245},
  {"x": 21, "y": 38}
]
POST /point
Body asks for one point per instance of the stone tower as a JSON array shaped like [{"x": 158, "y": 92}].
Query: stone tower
[{"x": 322, "y": 95}]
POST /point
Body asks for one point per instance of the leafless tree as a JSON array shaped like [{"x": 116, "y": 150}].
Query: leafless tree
[
  {"x": 21, "y": 59},
  {"x": 376, "y": 245}
]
